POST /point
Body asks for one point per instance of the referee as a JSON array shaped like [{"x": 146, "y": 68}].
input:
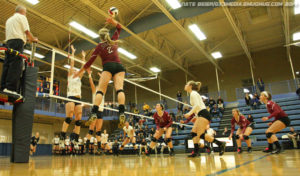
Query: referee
[{"x": 17, "y": 32}]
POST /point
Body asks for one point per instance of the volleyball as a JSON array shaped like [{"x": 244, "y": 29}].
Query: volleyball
[{"x": 113, "y": 11}]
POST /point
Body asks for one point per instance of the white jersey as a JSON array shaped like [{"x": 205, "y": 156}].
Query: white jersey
[
  {"x": 104, "y": 138},
  {"x": 197, "y": 102},
  {"x": 84, "y": 140},
  {"x": 67, "y": 141},
  {"x": 92, "y": 140},
  {"x": 74, "y": 86},
  {"x": 101, "y": 106},
  {"x": 56, "y": 140},
  {"x": 210, "y": 132},
  {"x": 129, "y": 131},
  {"x": 95, "y": 141},
  {"x": 80, "y": 141}
]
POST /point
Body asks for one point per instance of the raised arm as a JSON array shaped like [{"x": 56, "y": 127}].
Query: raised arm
[
  {"x": 83, "y": 59},
  {"x": 89, "y": 71},
  {"x": 71, "y": 71}
]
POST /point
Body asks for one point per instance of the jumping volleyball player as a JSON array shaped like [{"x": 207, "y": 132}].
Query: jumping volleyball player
[
  {"x": 73, "y": 92},
  {"x": 99, "y": 122},
  {"x": 107, "y": 49},
  {"x": 280, "y": 122},
  {"x": 203, "y": 118}
]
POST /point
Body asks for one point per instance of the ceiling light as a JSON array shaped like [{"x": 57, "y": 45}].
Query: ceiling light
[
  {"x": 33, "y": 2},
  {"x": 297, "y": 7},
  {"x": 174, "y": 4},
  {"x": 155, "y": 69},
  {"x": 216, "y": 55},
  {"x": 83, "y": 29},
  {"x": 68, "y": 67},
  {"x": 126, "y": 53},
  {"x": 198, "y": 33},
  {"x": 296, "y": 36},
  {"x": 35, "y": 54}
]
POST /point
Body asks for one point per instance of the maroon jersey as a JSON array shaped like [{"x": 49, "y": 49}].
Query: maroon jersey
[
  {"x": 275, "y": 110},
  {"x": 107, "y": 52},
  {"x": 162, "y": 122},
  {"x": 243, "y": 123}
]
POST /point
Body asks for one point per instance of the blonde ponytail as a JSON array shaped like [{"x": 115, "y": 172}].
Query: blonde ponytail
[
  {"x": 195, "y": 85},
  {"x": 104, "y": 35}
]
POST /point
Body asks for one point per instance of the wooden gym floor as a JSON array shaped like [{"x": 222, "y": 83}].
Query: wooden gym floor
[{"x": 256, "y": 163}]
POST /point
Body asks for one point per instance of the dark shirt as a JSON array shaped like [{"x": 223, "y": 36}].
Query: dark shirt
[
  {"x": 298, "y": 91},
  {"x": 34, "y": 140}
]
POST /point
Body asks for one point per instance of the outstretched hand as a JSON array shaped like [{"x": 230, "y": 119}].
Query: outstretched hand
[
  {"x": 73, "y": 49},
  {"x": 83, "y": 54}
]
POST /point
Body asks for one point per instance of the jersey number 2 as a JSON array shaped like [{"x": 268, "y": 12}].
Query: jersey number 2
[{"x": 109, "y": 50}]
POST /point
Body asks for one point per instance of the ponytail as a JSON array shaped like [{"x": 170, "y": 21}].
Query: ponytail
[{"x": 195, "y": 85}]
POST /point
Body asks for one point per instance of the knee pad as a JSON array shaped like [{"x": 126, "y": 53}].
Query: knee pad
[
  {"x": 268, "y": 135},
  {"x": 154, "y": 139},
  {"x": 119, "y": 91},
  {"x": 77, "y": 122},
  {"x": 246, "y": 137},
  {"x": 100, "y": 92},
  {"x": 91, "y": 132},
  {"x": 168, "y": 140},
  {"x": 193, "y": 134},
  {"x": 99, "y": 115},
  {"x": 202, "y": 136},
  {"x": 98, "y": 133},
  {"x": 68, "y": 120},
  {"x": 237, "y": 136}
]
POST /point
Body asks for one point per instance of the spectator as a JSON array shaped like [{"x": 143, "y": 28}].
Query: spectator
[
  {"x": 247, "y": 99},
  {"x": 146, "y": 108},
  {"x": 215, "y": 112},
  {"x": 225, "y": 132},
  {"x": 260, "y": 84},
  {"x": 115, "y": 148},
  {"x": 17, "y": 32},
  {"x": 172, "y": 115},
  {"x": 293, "y": 135},
  {"x": 120, "y": 139},
  {"x": 220, "y": 99},
  {"x": 298, "y": 91},
  {"x": 255, "y": 101},
  {"x": 186, "y": 108},
  {"x": 139, "y": 138},
  {"x": 212, "y": 102},
  {"x": 221, "y": 107},
  {"x": 250, "y": 118},
  {"x": 179, "y": 115},
  {"x": 179, "y": 98},
  {"x": 164, "y": 102},
  {"x": 205, "y": 101},
  {"x": 152, "y": 131}
]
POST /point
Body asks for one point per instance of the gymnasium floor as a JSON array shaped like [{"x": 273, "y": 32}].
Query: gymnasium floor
[{"x": 257, "y": 163}]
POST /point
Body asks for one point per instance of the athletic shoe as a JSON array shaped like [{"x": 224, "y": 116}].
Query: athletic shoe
[
  {"x": 208, "y": 150},
  {"x": 171, "y": 153},
  {"x": 122, "y": 118},
  {"x": 249, "y": 150},
  {"x": 193, "y": 155},
  {"x": 239, "y": 151},
  {"x": 222, "y": 148},
  {"x": 267, "y": 150},
  {"x": 277, "y": 151},
  {"x": 92, "y": 118}
]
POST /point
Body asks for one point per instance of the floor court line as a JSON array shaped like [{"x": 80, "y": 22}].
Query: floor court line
[{"x": 237, "y": 166}]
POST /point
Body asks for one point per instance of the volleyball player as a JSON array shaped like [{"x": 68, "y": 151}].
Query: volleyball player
[
  {"x": 81, "y": 146},
  {"x": 107, "y": 49},
  {"x": 67, "y": 145},
  {"x": 104, "y": 141},
  {"x": 203, "y": 118},
  {"x": 280, "y": 122},
  {"x": 56, "y": 145},
  {"x": 91, "y": 146},
  {"x": 163, "y": 123},
  {"x": 129, "y": 136},
  {"x": 73, "y": 92},
  {"x": 95, "y": 124},
  {"x": 244, "y": 131},
  {"x": 34, "y": 140}
]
